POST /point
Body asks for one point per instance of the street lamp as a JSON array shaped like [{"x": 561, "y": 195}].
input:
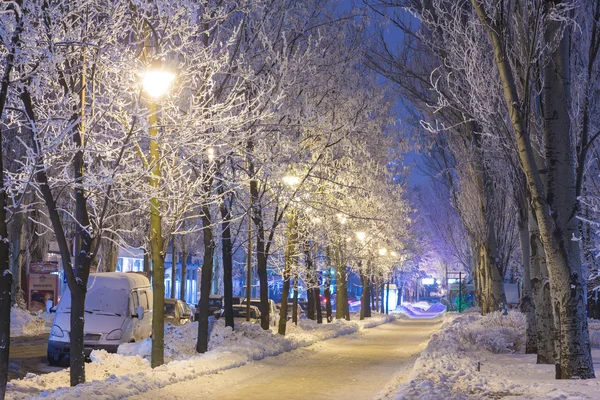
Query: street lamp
[
  {"x": 156, "y": 81},
  {"x": 341, "y": 217},
  {"x": 361, "y": 236},
  {"x": 382, "y": 252},
  {"x": 291, "y": 180}
]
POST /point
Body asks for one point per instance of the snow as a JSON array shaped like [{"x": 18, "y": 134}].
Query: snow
[
  {"x": 422, "y": 309},
  {"x": 24, "y": 323},
  {"x": 128, "y": 373},
  {"x": 475, "y": 357}
]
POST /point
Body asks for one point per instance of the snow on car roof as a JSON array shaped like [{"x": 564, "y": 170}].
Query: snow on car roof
[{"x": 118, "y": 280}]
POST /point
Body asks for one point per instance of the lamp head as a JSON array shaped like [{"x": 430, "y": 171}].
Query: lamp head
[{"x": 157, "y": 80}]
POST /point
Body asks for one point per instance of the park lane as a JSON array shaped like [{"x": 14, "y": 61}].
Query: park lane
[{"x": 364, "y": 365}]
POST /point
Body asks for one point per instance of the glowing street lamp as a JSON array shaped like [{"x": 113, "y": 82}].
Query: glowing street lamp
[
  {"x": 156, "y": 81},
  {"x": 291, "y": 180},
  {"x": 382, "y": 252},
  {"x": 341, "y": 217},
  {"x": 361, "y": 236},
  {"x": 394, "y": 254},
  {"x": 211, "y": 153}
]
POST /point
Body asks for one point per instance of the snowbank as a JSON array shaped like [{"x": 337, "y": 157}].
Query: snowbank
[
  {"x": 422, "y": 309},
  {"x": 128, "y": 373},
  {"x": 24, "y": 323},
  {"x": 474, "y": 357}
]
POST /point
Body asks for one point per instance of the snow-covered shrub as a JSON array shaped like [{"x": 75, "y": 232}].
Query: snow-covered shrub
[{"x": 497, "y": 333}]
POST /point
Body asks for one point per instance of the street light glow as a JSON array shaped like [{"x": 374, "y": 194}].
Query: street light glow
[
  {"x": 291, "y": 180},
  {"x": 394, "y": 254},
  {"x": 341, "y": 217},
  {"x": 156, "y": 82},
  {"x": 382, "y": 252},
  {"x": 361, "y": 236},
  {"x": 211, "y": 153}
]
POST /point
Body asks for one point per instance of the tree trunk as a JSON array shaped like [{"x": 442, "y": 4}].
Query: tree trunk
[
  {"x": 17, "y": 241},
  {"x": 227, "y": 252},
  {"x": 564, "y": 267},
  {"x": 364, "y": 299},
  {"x": 311, "y": 283},
  {"x": 207, "y": 272},
  {"x": 566, "y": 275},
  {"x": 5, "y": 275},
  {"x": 110, "y": 252},
  {"x": 157, "y": 250},
  {"x": 295, "y": 315},
  {"x": 290, "y": 248},
  {"x": 526, "y": 305},
  {"x": 173, "y": 268},
  {"x": 182, "y": 292},
  {"x": 327, "y": 293},
  {"x": 540, "y": 289},
  {"x": 339, "y": 285}
]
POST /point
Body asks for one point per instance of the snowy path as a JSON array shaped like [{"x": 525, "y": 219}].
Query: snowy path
[{"x": 364, "y": 365}]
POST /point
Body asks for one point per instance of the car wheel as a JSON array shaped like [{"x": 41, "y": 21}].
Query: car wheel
[{"x": 54, "y": 360}]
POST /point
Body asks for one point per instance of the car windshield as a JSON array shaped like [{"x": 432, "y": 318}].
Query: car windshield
[
  {"x": 214, "y": 303},
  {"x": 100, "y": 299},
  {"x": 169, "y": 309}
]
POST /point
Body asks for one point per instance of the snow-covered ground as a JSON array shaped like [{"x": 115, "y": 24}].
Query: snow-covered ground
[
  {"x": 24, "y": 323},
  {"x": 474, "y": 357},
  {"x": 122, "y": 375}
]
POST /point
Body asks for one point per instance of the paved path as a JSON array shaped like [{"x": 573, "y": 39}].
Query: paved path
[
  {"x": 28, "y": 355},
  {"x": 366, "y": 365}
]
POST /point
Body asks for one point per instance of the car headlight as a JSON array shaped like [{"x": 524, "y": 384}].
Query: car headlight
[
  {"x": 56, "y": 331},
  {"x": 115, "y": 335}
]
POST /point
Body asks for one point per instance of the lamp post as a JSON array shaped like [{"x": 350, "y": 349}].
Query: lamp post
[{"x": 156, "y": 82}]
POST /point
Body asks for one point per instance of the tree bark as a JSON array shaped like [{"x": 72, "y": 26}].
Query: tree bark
[
  {"x": 540, "y": 290},
  {"x": 290, "y": 248},
  {"x": 526, "y": 305},
  {"x": 564, "y": 268},
  {"x": 364, "y": 298},
  {"x": 206, "y": 280},
  {"x": 110, "y": 252},
  {"x": 157, "y": 243},
  {"x": 173, "y": 268},
  {"x": 227, "y": 253},
  {"x": 184, "y": 251}
]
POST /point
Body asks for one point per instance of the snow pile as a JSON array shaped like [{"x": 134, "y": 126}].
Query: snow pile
[
  {"x": 119, "y": 375},
  {"x": 475, "y": 357},
  {"x": 422, "y": 309},
  {"x": 24, "y": 323},
  {"x": 447, "y": 368},
  {"x": 594, "y": 329}
]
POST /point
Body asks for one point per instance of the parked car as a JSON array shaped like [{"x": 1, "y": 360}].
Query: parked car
[
  {"x": 118, "y": 309},
  {"x": 215, "y": 305},
  {"x": 240, "y": 312},
  {"x": 290, "y": 308},
  {"x": 272, "y": 311},
  {"x": 304, "y": 306},
  {"x": 188, "y": 310},
  {"x": 175, "y": 312}
]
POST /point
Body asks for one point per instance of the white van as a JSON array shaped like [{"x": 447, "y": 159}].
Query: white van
[{"x": 118, "y": 309}]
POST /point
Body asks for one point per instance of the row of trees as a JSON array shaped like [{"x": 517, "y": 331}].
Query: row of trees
[
  {"x": 507, "y": 95},
  {"x": 262, "y": 91}
]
